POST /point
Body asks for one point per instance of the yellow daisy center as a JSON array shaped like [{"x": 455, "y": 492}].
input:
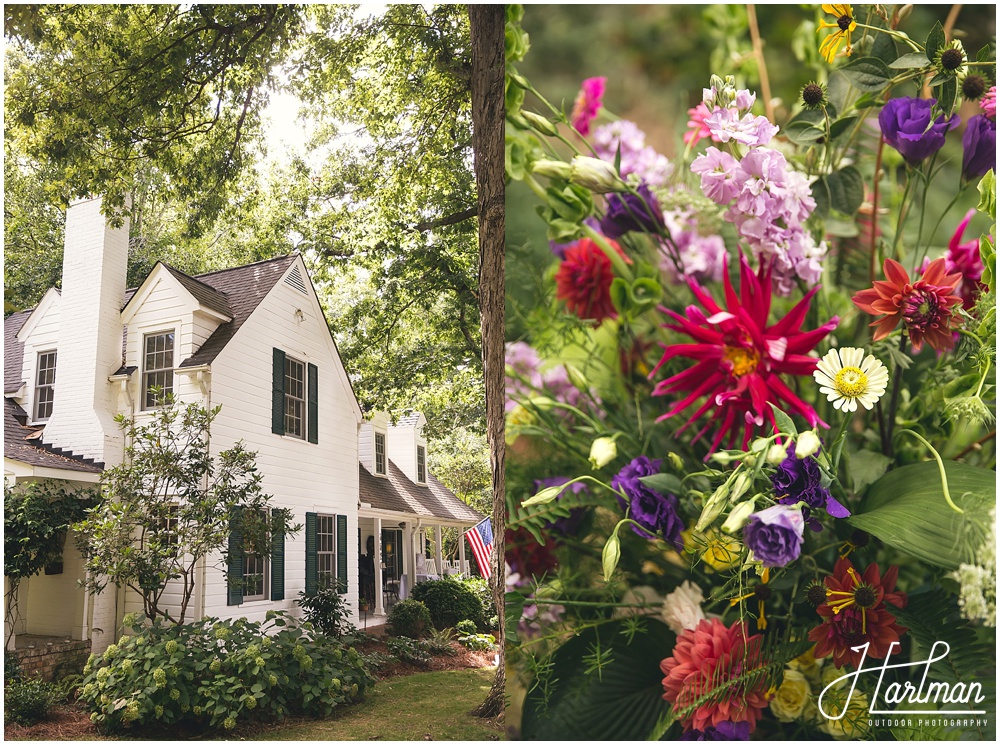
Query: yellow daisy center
[
  {"x": 851, "y": 382},
  {"x": 742, "y": 360}
]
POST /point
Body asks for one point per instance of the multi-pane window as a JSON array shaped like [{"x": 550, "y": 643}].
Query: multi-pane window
[
  {"x": 254, "y": 576},
  {"x": 326, "y": 550},
  {"x": 379, "y": 453},
  {"x": 158, "y": 368},
  {"x": 44, "y": 385},
  {"x": 421, "y": 464},
  {"x": 295, "y": 398}
]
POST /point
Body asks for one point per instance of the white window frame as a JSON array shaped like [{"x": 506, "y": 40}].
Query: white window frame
[
  {"x": 421, "y": 466},
  {"x": 50, "y": 386},
  {"x": 326, "y": 558},
  {"x": 265, "y": 572},
  {"x": 303, "y": 401},
  {"x": 146, "y": 371},
  {"x": 385, "y": 461}
]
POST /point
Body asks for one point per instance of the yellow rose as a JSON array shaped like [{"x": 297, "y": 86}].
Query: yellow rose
[
  {"x": 854, "y": 723},
  {"x": 792, "y": 696},
  {"x": 807, "y": 664}
]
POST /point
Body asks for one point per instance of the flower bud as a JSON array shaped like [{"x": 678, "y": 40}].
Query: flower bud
[
  {"x": 595, "y": 174},
  {"x": 776, "y": 454},
  {"x": 540, "y": 123},
  {"x": 807, "y": 444},
  {"x": 603, "y": 451},
  {"x": 610, "y": 555},
  {"x": 740, "y": 486},
  {"x": 713, "y": 507},
  {"x": 675, "y": 461},
  {"x": 739, "y": 516},
  {"x": 552, "y": 169}
]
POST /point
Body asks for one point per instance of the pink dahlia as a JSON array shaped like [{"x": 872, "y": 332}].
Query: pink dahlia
[
  {"x": 697, "y": 129},
  {"x": 740, "y": 359},
  {"x": 588, "y": 103},
  {"x": 584, "y": 279},
  {"x": 705, "y": 658}
]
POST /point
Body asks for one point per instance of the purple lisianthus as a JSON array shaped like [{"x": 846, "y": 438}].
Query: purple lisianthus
[
  {"x": 979, "y": 145},
  {"x": 565, "y": 525},
  {"x": 906, "y": 125},
  {"x": 775, "y": 535},
  {"x": 721, "y": 731},
  {"x": 799, "y": 480},
  {"x": 654, "y": 511},
  {"x": 628, "y": 212}
]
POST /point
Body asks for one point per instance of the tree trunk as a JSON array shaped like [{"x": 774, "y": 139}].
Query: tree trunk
[{"x": 486, "y": 23}]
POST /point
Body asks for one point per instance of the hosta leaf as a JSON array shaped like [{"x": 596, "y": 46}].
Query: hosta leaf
[
  {"x": 906, "y": 509},
  {"x": 624, "y": 701}
]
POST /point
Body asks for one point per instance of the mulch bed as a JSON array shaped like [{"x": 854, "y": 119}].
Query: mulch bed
[{"x": 71, "y": 722}]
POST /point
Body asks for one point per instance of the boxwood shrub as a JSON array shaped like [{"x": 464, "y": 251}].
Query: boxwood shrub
[
  {"x": 213, "y": 673},
  {"x": 409, "y": 618},
  {"x": 449, "y": 601}
]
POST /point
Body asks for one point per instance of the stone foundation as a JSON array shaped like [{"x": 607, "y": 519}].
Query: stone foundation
[{"x": 50, "y": 658}]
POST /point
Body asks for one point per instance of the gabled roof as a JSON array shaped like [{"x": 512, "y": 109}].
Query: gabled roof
[
  {"x": 13, "y": 351},
  {"x": 397, "y": 493},
  {"x": 17, "y": 447},
  {"x": 203, "y": 293}
]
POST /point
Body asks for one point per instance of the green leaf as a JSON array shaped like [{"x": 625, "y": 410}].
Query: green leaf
[
  {"x": 624, "y": 703},
  {"x": 909, "y": 61},
  {"x": 802, "y": 132},
  {"x": 846, "y": 188},
  {"x": 906, "y": 509},
  {"x": 947, "y": 95},
  {"x": 840, "y": 126},
  {"x": 884, "y": 48},
  {"x": 985, "y": 54},
  {"x": 935, "y": 40},
  {"x": 620, "y": 295},
  {"x": 867, "y": 74},
  {"x": 644, "y": 294},
  {"x": 784, "y": 422},
  {"x": 865, "y": 467},
  {"x": 664, "y": 483},
  {"x": 821, "y": 193}
]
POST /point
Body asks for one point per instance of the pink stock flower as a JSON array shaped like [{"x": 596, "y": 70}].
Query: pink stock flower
[
  {"x": 989, "y": 102},
  {"x": 697, "y": 129},
  {"x": 740, "y": 359},
  {"x": 588, "y": 103}
]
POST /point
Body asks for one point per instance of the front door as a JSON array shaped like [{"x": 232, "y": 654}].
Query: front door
[{"x": 392, "y": 554}]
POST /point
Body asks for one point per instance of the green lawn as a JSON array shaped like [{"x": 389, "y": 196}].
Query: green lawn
[{"x": 412, "y": 707}]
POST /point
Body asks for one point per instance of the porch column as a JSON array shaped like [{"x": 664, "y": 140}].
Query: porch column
[
  {"x": 437, "y": 550},
  {"x": 377, "y": 561},
  {"x": 461, "y": 550},
  {"x": 410, "y": 563}
]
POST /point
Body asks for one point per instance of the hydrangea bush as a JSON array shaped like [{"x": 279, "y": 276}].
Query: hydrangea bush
[
  {"x": 214, "y": 674},
  {"x": 770, "y": 459}
]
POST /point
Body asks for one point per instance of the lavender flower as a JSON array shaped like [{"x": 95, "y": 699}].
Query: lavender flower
[
  {"x": 979, "y": 145},
  {"x": 750, "y": 130},
  {"x": 799, "y": 480},
  {"x": 628, "y": 212},
  {"x": 906, "y": 125},
  {"x": 655, "y": 512},
  {"x": 775, "y": 535},
  {"x": 565, "y": 525},
  {"x": 718, "y": 175},
  {"x": 636, "y": 157}
]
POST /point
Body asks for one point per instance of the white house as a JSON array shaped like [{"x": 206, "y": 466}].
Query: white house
[{"x": 253, "y": 340}]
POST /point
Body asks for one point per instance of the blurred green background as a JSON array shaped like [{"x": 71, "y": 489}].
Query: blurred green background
[{"x": 657, "y": 59}]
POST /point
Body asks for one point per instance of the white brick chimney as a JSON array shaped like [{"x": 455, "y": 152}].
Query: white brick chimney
[
  {"x": 95, "y": 264},
  {"x": 404, "y": 438}
]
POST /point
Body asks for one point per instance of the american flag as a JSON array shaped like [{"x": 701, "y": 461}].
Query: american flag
[{"x": 481, "y": 540}]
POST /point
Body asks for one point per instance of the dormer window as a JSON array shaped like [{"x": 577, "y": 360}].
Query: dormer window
[
  {"x": 380, "y": 453},
  {"x": 45, "y": 379},
  {"x": 421, "y": 464},
  {"x": 158, "y": 368}
]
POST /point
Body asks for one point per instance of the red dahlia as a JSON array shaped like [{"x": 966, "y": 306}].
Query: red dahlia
[
  {"x": 584, "y": 280},
  {"x": 740, "y": 359},
  {"x": 855, "y": 612},
  {"x": 924, "y": 306}
]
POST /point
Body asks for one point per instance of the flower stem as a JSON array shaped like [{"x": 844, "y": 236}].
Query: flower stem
[
  {"x": 940, "y": 464},
  {"x": 897, "y": 378},
  {"x": 621, "y": 268}
]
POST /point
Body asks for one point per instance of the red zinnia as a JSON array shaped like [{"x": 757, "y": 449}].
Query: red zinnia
[
  {"x": 706, "y": 658},
  {"x": 924, "y": 306},
  {"x": 740, "y": 358},
  {"x": 855, "y": 613},
  {"x": 584, "y": 280}
]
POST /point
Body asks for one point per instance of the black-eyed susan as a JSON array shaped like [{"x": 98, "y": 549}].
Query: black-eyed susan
[{"x": 844, "y": 24}]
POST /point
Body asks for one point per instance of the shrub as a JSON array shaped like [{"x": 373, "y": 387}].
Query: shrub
[
  {"x": 464, "y": 628},
  {"x": 327, "y": 610},
  {"x": 27, "y": 700},
  {"x": 409, "y": 650},
  {"x": 440, "y": 642},
  {"x": 11, "y": 668},
  {"x": 449, "y": 602},
  {"x": 213, "y": 673},
  {"x": 478, "y": 642},
  {"x": 481, "y": 588},
  {"x": 377, "y": 661},
  {"x": 409, "y": 618}
]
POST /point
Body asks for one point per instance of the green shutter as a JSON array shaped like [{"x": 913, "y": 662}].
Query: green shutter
[
  {"x": 313, "y": 414},
  {"x": 342, "y": 552},
  {"x": 278, "y": 563},
  {"x": 278, "y": 392},
  {"x": 312, "y": 565},
  {"x": 234, "y": 576}
]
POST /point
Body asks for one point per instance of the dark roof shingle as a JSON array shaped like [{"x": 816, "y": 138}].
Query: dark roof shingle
[
  {"x": 207, "y": 296},
  {"x": 398, "y": 494},
  {"x": 31, "y": 452},
  {"x": 13, "y": 350}
]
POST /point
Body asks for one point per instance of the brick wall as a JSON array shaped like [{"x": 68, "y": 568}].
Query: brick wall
[{"x": 55, "y": 662}]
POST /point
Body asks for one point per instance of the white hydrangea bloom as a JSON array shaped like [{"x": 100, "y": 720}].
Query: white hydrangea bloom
[{"x": 978, "y": 595}]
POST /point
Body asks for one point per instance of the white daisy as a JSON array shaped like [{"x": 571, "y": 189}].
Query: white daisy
[{"x": 846, "y": 379}]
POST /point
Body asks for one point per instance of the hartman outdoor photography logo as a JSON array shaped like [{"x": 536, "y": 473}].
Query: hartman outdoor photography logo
[{"x": 929, "y": 703}]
